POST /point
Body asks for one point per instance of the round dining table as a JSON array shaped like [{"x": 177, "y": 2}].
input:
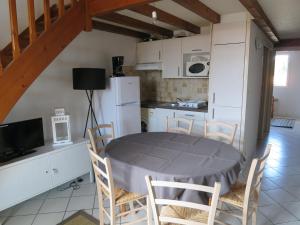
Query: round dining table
[{"x": 173, "y": 157}]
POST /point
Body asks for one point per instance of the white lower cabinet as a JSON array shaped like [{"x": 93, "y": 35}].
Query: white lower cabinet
[
  {"x": 26, "y": 178},
  {"x": 156, "y": 119}
]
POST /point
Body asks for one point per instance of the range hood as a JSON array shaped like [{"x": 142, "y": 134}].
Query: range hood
[{"x": 148, "y": 66}]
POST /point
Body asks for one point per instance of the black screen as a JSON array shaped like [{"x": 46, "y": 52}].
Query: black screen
[{"x": 20, "y": 137}]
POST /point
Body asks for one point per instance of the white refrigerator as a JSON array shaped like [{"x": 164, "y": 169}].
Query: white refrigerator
[{"x": 120, "y": 103}]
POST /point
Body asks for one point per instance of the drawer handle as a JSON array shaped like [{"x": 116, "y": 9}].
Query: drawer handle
[
  {"x": 190, "y": 115},
  {"x": 197, "y": 50}
]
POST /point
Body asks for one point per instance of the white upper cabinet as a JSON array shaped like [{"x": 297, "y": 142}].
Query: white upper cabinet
[
  {"x": 229, "y": 33},
  {"x": 171, "y": 58},
  {"x": 149, "y": 52},
  {"x": 197, "y": 43},
  {"x": 227, "y": 75}
]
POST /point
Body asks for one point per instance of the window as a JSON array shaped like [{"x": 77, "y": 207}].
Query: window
[{"x": 281, "y": 70}]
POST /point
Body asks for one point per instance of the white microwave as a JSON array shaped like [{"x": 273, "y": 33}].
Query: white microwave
[{"x": 197, "y": 66}]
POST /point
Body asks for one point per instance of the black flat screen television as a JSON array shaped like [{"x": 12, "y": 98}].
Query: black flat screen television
[{"x": 20, "y": 138}]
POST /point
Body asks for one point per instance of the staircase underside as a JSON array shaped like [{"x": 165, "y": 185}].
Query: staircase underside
[{"x": 20, "y": 74}]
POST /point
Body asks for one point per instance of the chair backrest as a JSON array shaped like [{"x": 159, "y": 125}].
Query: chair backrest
[
  {"x": 254, "y": 179},
  {"x": 156, "y": 202},
  {"x": 100, "y": 136},
  {"x": 179, "y": 125},
  {"x": 220, "y": 131},
  {"x": 105, "y": 184}
]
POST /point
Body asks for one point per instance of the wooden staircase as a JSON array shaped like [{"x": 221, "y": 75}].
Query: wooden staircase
[{"x": 31, "y": 51}]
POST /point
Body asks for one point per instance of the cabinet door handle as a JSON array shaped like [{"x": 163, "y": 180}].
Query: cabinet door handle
[
  {"x": 159, "y": 55},
  {"x": 47, "y": 171},
  {"x": 55, "y": 170},
  {"x": 197, "y": 50},
  {"x": 214, "y": 97},
  {"x": 178, "y": 71},
  {"x": 213, "y": 114}
]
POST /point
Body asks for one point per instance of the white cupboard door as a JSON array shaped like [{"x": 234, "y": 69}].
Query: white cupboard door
[
  {"x": 171, "y": 60},
  {"x": 227, "y": 75},
  {"x": 197, "y": 117},
  {"x": 128, "y": 119},
  {"x": 69, "y": 164},
  {"x": 229, "y": 115},
  {"x": 149, "y": 52},
  {"x": 161, "y": 116},
  {"x": 196, "y": 44},
  {"x": 229, "y": 33},
  {"x": 23, "y": 181}
]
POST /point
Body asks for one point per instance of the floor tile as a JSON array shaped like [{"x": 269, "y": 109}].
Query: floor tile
[
  {"x": 29, "y": 207},
  {"x": 83, "y": 202},
  {"x": 42, "y": 196},
  {"x": 60, "y": 193},
  {"x": 277, "y": 214},
  {"x": 85, "y": 189},
  {"x": 48, "y": 219},
  {"x": 293, "y": 207},
  {"x": 70, "y": 213},
  {"x": 54, "y": 205},
  {"x": 20, "y": 220},
  {"x": 280, "y": 195},
  {"x": 264, "y": 199},
  {"x": 267, "y": 184}
]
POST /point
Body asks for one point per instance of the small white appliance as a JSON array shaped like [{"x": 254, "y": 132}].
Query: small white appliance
[
  {"x": 198, "y": 103},
  {"x": 198, "y": 66},
  {"x": 120, "y": 103}
]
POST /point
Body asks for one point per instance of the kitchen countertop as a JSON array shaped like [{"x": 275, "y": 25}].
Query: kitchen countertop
[{"x": 167, "y": 105}]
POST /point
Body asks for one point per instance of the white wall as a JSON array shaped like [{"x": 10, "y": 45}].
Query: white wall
[
  {"x": 256, "y": 41},
  {"x": 54, "y": 87},
  {"x": 288, "y": 97}
]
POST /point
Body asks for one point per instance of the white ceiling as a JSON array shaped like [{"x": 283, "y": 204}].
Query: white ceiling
[{"x": 284, "y": 14}]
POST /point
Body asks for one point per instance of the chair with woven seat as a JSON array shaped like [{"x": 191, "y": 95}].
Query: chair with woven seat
[
  {"x": 101, "y": 135},
  {"x": 220, "y": 131},
  {"x": 182, "y": 212},
  {"x": 117, "y": 197},
  {"x": 179, "y": 125},
  {"x": 244, "y": 197}
]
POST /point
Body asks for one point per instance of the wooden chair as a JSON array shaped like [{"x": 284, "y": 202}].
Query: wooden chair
[
  {"x": 245, "y": 196},
  {"x": 117, "y": 197},
  {"x": 100, "y": 136},
  {"x": 182, "y": 212},
  {"x": 185, "y": 128},
  {"x": 220, "y": 131}
]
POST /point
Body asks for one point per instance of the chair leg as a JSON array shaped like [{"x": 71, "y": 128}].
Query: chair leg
[
  {"x": 149, "y": 212},
  {"x": 254, "y": 216}
]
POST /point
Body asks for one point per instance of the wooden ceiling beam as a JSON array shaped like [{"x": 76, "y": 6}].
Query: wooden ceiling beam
[
  {"x": 118, "y": 30},
  {"x": 98, "y": 7},
  {"x": 131, "y": 22},
  {"x": 200, "y": 9},
  {"x": 288, "y": 45},
  {"x": 165, "y": 17},
  {"x": 261, "y": 19}
]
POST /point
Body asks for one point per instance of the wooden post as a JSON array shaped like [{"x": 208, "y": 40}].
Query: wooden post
[
  {"x": 1, "y": 67},
  {"x": 14, "y": 28},
  {"x": 88, "y": 18},
  {"x": 61, "y": 8},
  {"x": 31, "y": 21},
  {"x": 47, "y": 16}
]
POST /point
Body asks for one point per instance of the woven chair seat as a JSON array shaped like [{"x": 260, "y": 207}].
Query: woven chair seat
[
  {"x": 184, "y": 213},
  {"x": 127, "y": 196},
  {"x": 236, "y": 195}
]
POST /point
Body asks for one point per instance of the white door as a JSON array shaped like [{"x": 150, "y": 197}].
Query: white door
[
  {"x": 227, "y": 75},
  {"x": 69, "y": 164},
  {"x": 149, "y": 52},
  {"x": 128, "y": 119},
  {"x": 23, "y": 181},
  {"x": 172, "y": 58},
  {"x": 161, "y": 116},
  {"x": 127, "y": 90}
]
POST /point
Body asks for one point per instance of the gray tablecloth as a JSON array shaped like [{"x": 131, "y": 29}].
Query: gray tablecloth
[{"x": 173, "y": 157}]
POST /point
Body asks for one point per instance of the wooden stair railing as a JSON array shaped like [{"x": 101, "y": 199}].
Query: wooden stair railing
[{"x": 31, "y": 51}]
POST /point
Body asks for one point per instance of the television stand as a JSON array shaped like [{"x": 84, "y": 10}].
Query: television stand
[{"x": 14, "y": 155}]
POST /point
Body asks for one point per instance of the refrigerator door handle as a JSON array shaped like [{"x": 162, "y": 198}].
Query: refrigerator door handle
[{"x": 128, "y": 103}]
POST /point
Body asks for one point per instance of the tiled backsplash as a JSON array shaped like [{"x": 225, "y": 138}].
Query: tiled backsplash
[{"x": 155, "y": 88}]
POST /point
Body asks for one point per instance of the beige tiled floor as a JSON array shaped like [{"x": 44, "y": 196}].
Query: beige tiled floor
[{"x": 279, "y": 200}]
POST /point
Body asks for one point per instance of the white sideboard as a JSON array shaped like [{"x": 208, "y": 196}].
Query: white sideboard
[{"x": 33, "y": 174}]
